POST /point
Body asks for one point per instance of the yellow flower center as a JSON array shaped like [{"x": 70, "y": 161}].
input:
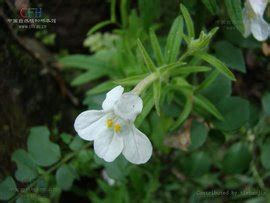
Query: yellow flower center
[
  {"x": 109, "y": 123},
  {"x": 251, "y": 14},
  {"x": 117, "y": 128}
]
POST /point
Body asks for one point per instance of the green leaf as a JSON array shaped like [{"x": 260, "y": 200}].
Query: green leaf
[
  {"x": 159, "y": 131},
  {"x": 220, "y": 66},
  {"x": 148, "y": 18},
  {"x": 189, "y": 69},
  {"x": 148, "y": 104},
  {"x": 26, "y": 167},
  {"x": 235, "y": 13},
  {"x": 208, "y": 81},
  {"x": 147, "y": 60},
  {"x": 65, "y": 175},
  {"x": 197, "y": 164},
  {"x": 233, "y": 58},
  {"x": 131, "y": 81},
  {"x": 118, "y": 169},
  {"x": 198, "y": 135},
  {"x": 76, "y": 144},
  {"x": 189, "y": 22},
  {"x": 201, "y": 43},
  {"x": 205, "y": 104},
  {"x": 157, "y": 93},
  {"x": 7, "y": 188},
  {"x": 216, "y": 88},
  {"x": 235, "y": 112},
  {"x": 170, "y": 67},
  {"x": 66, "y": 138},
  {"x": 94, "y": 101},
  {"x": 89, "y": 76},
  {"x": 32, "y": 197},
  {"x": 156, "y": 47},
  {"x": 103, "y": 87},
  {"x": 99, "y": 26},
  {"x": 237, "y": 159},
  {"x": 84, "y": 62},
  {"x": 123, "y": 12},
  {"x": 174, "y": 40},
  {"x": 43, "y": 151},
  {"x": 113, "y": 10},
  {"x": 266, "y": 104},
  {"x": 265, "y": 152},
  {"x": 185, "y": 111},
  {"x": 211, "y": 5}
]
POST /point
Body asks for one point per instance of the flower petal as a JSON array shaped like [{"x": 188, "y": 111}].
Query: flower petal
[
  {"x": 258, "y": 6},
  {"x": 108, "y": 145},
  {"x": 89, "y": 123},
  {"x": 128, "y": 106},
  {"x": 137, "y": 147},
  {"x": 246, "y": 23},
  {"x": 260, "y": 28},
  {"x": 112, "y": 97}
]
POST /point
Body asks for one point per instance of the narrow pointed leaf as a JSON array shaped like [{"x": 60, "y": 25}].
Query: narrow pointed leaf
[
  {"x": 208, "y": 81},
  {"x": 189, "y": 22},
  {"x": 148, "y": 104},
  {"x": 132, "y": 80},
  {"x": 103, "y": 87},
  {"x": 147, "y": 60},
  {"x": 157, "y": 93},
  {"x": 190, "y": 69},
  {"x": 211, "y": 5},
  {"x": 156, "y": 47},
  {"x": 113, "y": 10},
  {"x": 170, "y": 67},
  {"x": 208, "y": 106},
  {"x": 235, "y": 13},
  {"x": 220, "y": 66},
  {"x": 174, "y": 40},
  {"x": 82, "y": 62},
  {"x": 88, "y": 77},
  {"x": 185, "y": 111},
  {"x": 99, "y": 26}
]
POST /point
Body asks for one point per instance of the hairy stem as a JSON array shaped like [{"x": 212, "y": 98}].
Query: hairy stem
[{"x": 138, "y": 89}]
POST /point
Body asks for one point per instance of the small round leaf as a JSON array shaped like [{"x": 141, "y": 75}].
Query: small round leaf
[
  {"x": 65, "y": 175},
  {"x": 237, "y": 159},
  {"x": 235, "y": 112},
  {"x": 43, "y": 151},
  {"x": 76, "y": 144},
  {"x": 7, "y": 188},
  {"x": 198, "y": 135},
  {"x": 265, "y": 153},
  {"x": 197, "y": 164},
  {"x": 26, "y": 167}
]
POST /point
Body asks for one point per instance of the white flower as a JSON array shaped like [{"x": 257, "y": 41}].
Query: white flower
[
  {"x": 112, "y": 129},
  {"x": 253, "y": 19}
]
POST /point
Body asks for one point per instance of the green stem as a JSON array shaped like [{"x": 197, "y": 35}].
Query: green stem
[
  {"x": 254, "y": 170},
  {"x": 257, "y": 176},
  {"x": 50, "y": 170},
  {"x": 184, "y": 56},
  {"x": 145, "y": 83}
]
